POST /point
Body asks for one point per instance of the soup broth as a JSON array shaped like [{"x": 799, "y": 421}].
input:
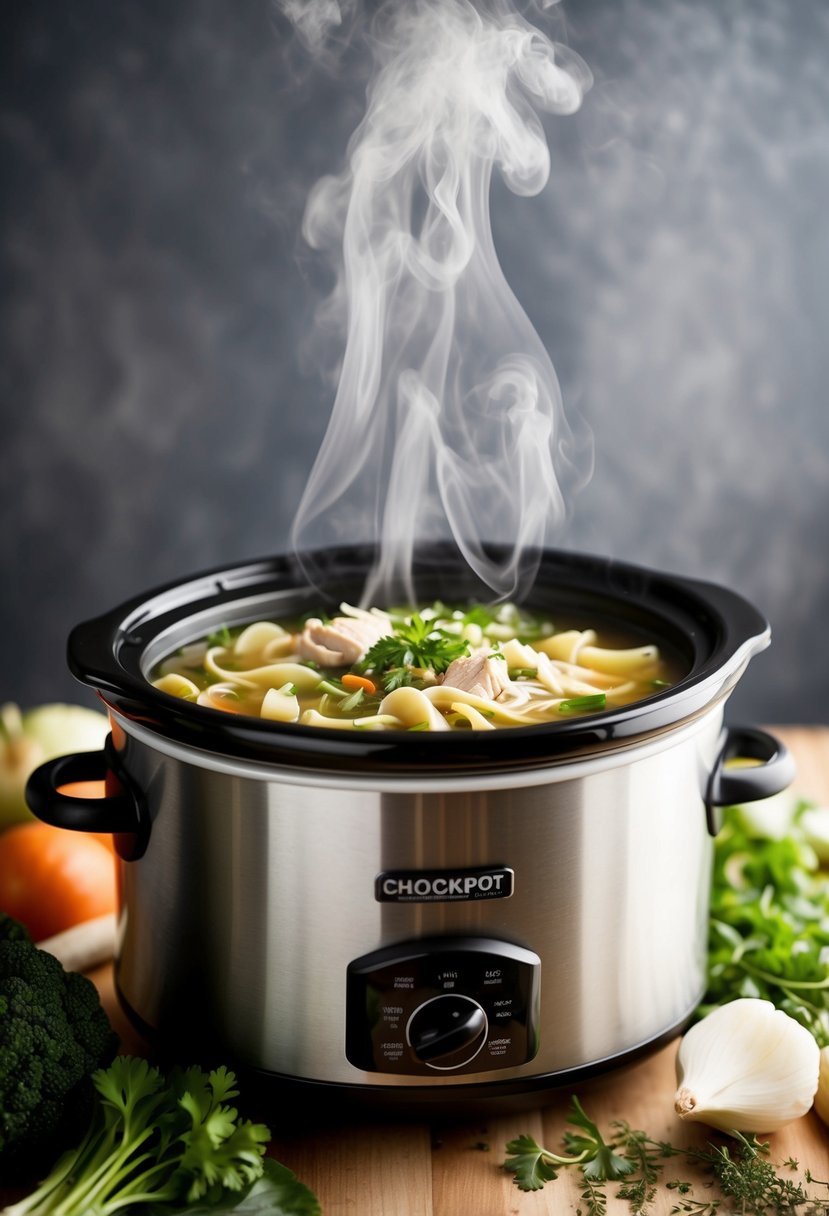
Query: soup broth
[{"x": 438, "y": 667}]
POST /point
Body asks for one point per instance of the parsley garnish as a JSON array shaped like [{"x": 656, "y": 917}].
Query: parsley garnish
[{"x": 416, "y": 644}]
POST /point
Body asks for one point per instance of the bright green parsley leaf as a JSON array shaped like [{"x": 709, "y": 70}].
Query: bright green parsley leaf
[
  {"x": 601, "y": 1164},
  {"x": 417, "y": 644},
  {"x": 531, "y": 1164}
]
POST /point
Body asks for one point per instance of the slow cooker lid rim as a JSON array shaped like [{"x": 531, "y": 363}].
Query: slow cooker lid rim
[
  {"x": 95, "y": 645},
  {"x": 721, "y": 628}
]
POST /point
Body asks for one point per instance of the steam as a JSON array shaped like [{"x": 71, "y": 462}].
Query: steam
[{"x": 448, "y": 417}]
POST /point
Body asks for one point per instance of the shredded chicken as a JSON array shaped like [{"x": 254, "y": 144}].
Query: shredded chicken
[
  {"x": 479, "y": 674},
  {"x": 340, "y": 642}
]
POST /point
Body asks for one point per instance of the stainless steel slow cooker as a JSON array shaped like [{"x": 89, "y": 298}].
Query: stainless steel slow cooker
[{"x": 407, "y": 917}]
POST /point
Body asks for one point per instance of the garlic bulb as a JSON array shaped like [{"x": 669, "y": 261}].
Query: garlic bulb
[
  {"x": 822, "y": 1095},
  {"x": 746, "y": 1067}
]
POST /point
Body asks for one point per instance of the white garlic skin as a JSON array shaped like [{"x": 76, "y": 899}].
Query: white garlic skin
[{"x": 746, "y": 1067}]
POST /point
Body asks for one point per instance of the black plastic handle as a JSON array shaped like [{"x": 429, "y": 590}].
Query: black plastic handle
[
  {"x": 726, "y": 786},
  {"x": 123, "y": 814}
]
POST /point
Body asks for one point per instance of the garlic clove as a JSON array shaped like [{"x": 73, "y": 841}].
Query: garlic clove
[
  {"x": 746, "y": 1067},
  {"x": 822, "y": 1095}
]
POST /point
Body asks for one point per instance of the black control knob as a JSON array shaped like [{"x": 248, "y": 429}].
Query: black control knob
[{"x": 447, "y": 1031}]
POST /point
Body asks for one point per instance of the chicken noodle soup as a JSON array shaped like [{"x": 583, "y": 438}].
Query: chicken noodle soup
[{"x": 439, "y": 668}]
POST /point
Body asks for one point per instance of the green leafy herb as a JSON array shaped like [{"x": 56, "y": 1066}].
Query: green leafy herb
[
  {"x": 769, "y": 926},
  {"x": 478, "y": 615},
  {"x": 419, "y": 644},
  {"x": 221, "y": 637},
  {"x": 534, "y": 1165},
  {"x": 750, "y": 1179},
  {"x": 397, "y": 677},
  {"x": 744, "y": 1174},
  {"x": 169, "y": 1142},
  {"x": 277, "y": 1193},
  {"x": 580, "y": 705}
]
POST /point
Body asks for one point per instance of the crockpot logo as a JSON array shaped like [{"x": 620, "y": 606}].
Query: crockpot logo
[{"x": 443, "y": 886}]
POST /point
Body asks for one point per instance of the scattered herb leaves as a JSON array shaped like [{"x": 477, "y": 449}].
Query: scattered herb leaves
[{"x": 743, "y": 1173}]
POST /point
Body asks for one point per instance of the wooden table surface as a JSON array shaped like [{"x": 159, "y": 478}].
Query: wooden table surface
[{"x": 417, "y": 1169}]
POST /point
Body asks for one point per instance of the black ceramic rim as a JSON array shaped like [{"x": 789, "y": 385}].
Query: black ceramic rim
[{"x": 713, "y": 630}]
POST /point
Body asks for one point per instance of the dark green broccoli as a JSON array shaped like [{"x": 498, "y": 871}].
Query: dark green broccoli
[
  {"x": 11, "y": 930},
  {"x": 53, "y": 1035}
]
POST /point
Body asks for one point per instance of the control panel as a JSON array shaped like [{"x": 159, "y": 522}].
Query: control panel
[{"x": 443, "y": 1005}]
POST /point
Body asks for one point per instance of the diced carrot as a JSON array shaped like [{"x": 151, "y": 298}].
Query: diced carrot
[{"x": 349, "y": 680}]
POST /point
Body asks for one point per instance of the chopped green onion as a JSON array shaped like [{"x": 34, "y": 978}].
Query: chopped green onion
[
  {"x": 661, "y": 683},
  {"x": 523, "y": 673},
  {"x": 420, "y": 726},
  {"x": 332, "y": 688},
  {"x": 292, "y": 691},
  {"x": 577, "y": 705},
  {"x": 352, "y": 701}
]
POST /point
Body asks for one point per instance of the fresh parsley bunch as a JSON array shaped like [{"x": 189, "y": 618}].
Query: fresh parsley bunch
[{"x": 165, "y": 1145}]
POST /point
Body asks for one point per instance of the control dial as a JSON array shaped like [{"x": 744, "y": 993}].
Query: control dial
[{"x": 447, "y": 1031}]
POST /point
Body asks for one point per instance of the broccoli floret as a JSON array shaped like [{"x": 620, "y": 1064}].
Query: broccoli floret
[
  {"x": 53, "y": 1035},
  {"x": 11, "y": 930}
]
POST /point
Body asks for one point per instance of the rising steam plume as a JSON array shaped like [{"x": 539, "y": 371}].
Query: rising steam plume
[{"x": 448, "y": 418}]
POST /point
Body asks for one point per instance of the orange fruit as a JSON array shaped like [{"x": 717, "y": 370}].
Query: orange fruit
[{"x": 53, "y": 878}]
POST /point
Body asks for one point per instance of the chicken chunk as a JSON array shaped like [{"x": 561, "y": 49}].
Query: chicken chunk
[
  {"x": 342, "y": 641},
  {"x": 479, "y": 674}
]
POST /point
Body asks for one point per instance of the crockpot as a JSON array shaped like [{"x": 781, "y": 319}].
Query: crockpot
[{"x": 408, "y": 918}]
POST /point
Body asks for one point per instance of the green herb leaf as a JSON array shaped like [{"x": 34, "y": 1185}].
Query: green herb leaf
[
  {"x": 221, "y": 637},
  {"x": 277, "y": 1193},
  {"x": 418, "y": 643},
  {"x": 601, "y": 1162},
  {"x": 769, "y": 925},
  {"x": 531, "y": 1164}
]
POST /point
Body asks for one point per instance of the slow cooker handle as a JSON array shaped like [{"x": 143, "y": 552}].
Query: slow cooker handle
[
  {"x": 121, "y": 811},
  {"x": 726, "y": 786}
]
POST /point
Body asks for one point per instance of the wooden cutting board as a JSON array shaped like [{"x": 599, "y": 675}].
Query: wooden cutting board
[{"x": 420, "y": 1169}]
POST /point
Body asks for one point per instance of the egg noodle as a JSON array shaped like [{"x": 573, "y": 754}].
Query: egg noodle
[{"x": 439, "y": 668}]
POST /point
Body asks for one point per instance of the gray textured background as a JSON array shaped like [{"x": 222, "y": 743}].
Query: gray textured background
[{"x": 161, "y": 400}]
